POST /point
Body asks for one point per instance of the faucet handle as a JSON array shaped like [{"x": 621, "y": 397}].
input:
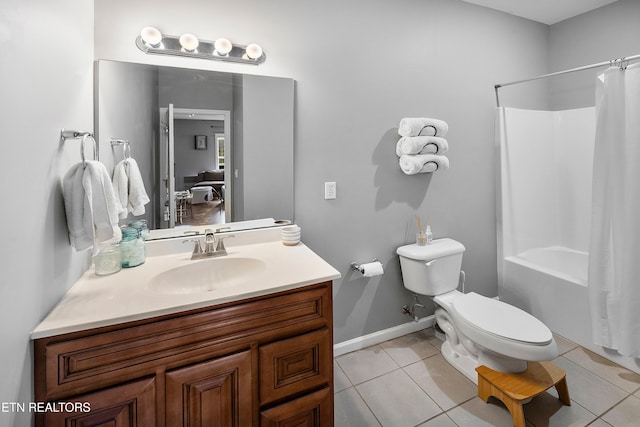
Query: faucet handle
[
  {"x": 197, "y": 248},
  {"x": 220, "y": 243}
]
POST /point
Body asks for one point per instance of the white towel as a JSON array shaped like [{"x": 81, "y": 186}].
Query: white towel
[
  {"x": 91, "y": 206},
  {"x": 421, "y": 145},
  {"x": 129, "y": 188},
  {"x": 422, "y": 126},
  {"x": 423, "y": 163}
]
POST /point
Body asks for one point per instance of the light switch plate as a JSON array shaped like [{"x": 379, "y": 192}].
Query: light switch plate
[{"x": 330, "y": 190}]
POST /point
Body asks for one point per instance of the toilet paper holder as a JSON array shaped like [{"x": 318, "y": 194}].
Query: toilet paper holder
[{"x": 359, "y": 267}]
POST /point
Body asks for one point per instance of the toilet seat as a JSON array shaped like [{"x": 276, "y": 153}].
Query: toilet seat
[{"x": 501, "y": 320}]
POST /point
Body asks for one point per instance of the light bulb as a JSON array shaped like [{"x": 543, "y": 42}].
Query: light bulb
[
  {"x": 223, "y": 46},
  {"x": 189, "y": 42},
  {"x": 254, "y": 51},
  {"x": 151, "y": 36}
]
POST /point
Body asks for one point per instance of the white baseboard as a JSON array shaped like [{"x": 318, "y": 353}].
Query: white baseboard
[{"x": 381, "y": 336}]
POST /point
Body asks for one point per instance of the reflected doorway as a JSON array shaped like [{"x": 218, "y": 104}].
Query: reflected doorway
[{"x": 194, "y": 150}]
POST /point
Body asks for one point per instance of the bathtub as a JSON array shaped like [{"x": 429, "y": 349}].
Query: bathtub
[{"x": 550, "y": 283}]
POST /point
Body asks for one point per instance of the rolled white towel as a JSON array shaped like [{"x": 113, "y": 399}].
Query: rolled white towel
[
  {"x": 422, "y": 126},
  {"x": 423, "y": 163},
  {"x": 421, "y": 145}
]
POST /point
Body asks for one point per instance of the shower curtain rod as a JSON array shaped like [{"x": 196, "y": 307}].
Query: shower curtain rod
[{"x": 572, "y": 70}]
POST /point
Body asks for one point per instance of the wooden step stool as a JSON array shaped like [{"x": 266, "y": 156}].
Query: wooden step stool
[{"x": 513, "y": 389}]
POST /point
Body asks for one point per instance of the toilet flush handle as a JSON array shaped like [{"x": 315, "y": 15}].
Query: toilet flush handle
[{"x": 430, "y": 263}]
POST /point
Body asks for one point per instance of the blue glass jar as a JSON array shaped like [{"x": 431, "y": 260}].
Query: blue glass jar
[
  {"x": 141, "y": 226},
  {"x": 132, "y": 248}
]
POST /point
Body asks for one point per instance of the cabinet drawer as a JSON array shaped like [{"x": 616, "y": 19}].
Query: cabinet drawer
[
  {"x": 295, "y": 365},
  {"x": 312, "y": 410}
]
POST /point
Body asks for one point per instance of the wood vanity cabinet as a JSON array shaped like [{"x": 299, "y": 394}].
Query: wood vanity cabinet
[{"x": 264, "y": 361}]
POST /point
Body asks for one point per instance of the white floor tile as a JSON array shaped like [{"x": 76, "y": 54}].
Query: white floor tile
[
  {"x": 548, "y": 410},
  {"x": 442, "y": 420},
  {"x": 587, "y": 389},
  {"x": 397, "y": 401},
  {"x": 365, "y": 364},
  {"x": 409, "y": 348},
  {"x": 442, "y": 382},
  {"x": 615, "y": 374},
  {"x": 564, "y": 345},
  {"x": 600, "y": 423},
  {"x": 477, "y": 413},
  {"x": 340, "y": 380},
  {"x": 351, "y": 411},
  {"x": 627, "y": 413}
]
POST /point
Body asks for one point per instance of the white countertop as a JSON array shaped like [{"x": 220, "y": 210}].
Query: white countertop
[{"x": 96, "y": 301}]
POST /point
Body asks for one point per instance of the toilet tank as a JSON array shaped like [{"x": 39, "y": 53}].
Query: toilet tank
[{"x": 432, "y": 269}]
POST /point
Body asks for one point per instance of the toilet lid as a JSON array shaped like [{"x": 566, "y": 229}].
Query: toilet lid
[{"x": 501, "y": 319}]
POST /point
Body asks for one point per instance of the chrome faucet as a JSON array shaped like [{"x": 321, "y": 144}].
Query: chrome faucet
[
  {"x": 209, "y": 241},
  {"x": 213, "y": 244}
]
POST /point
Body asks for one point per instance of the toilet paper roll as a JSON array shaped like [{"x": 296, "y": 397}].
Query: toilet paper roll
[{"x": 372, "y": 269}]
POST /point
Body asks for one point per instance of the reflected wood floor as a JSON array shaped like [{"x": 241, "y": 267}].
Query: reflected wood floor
[{"x": 205, "y": 213}]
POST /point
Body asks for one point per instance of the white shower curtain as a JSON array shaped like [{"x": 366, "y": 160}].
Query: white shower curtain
[{"x": 614, "y": 253}]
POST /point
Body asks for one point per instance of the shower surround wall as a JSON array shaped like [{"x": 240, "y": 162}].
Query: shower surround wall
[{"x": 546, "y": 163}]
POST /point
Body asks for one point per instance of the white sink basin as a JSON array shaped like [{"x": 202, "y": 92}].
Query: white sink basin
[{"x": 207, "y": 275}]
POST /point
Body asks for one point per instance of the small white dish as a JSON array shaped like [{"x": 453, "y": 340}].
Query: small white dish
[{"x": 290, "y": 235}]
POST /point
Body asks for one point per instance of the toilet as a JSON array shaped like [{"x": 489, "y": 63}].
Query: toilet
[{"x": 479, "y": 330}]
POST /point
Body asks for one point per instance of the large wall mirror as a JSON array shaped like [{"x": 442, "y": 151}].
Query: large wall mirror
[{"x": 211, "y": 147}]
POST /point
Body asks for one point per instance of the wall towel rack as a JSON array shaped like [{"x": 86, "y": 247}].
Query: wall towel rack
[
  {"x": 66, "y": 134},
  {"x": 126, "y": 150}
]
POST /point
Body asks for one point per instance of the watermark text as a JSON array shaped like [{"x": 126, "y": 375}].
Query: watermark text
[{"x": 34, "y": 407}]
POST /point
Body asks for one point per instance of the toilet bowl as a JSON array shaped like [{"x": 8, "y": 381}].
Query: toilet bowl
[{"x": 478, "y": 330}]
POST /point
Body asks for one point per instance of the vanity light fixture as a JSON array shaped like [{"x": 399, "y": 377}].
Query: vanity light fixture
[
  {"x": 152, "y": 41},
  {"x": 254, "y": 51},
  {"x": 189, "y": 42},
  {"x": 222, "y": 47},
  {"x": 151, "y": 36}
]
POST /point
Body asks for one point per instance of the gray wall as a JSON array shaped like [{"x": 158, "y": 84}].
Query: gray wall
[
  {"x": 360, "y": 67},
  {"x": 600, "y": 35},
  {"x": 267, "y": 174},
  {"x": 41, "y": 94},
  {"x": 193, "y": 89},
  {"x": 128, "y": 109}
]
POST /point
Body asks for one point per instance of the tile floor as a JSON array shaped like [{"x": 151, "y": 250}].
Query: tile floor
[{"x": 407, "y": 382}]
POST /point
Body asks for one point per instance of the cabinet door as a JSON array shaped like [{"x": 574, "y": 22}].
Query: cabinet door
[
  {"x": 311, "y": 410},
  {"x": 213, "y": 393},
  {"x": 127, "y": 405}
]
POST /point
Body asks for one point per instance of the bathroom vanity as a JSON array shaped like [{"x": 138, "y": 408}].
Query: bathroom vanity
[{"x": 136, "y": 352}]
